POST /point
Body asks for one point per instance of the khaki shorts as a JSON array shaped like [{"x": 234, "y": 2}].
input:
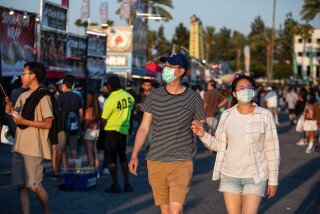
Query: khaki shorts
[
  {"x": 27, "y": 170},
  {"x": 170, "y": 181},
  {"x": 65, "y": 139}
]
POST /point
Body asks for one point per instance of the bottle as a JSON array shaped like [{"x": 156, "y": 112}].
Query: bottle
[{"x": 14, "y": 113}]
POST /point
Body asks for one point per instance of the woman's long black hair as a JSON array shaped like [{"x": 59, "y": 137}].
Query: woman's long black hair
[
  {"x": 312, "y": 96},
  {"x": 237, "y": 78}
]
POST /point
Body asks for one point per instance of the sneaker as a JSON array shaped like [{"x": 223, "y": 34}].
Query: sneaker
[
  {"x": 301, "y": 143},
  {"x": 113, "y": 189},
  {"x": 106, "y": 171},
  {"x": 127, "y": 188},
  {"x": 308, "y": 151},
  {"x": 54, "y": 177}
]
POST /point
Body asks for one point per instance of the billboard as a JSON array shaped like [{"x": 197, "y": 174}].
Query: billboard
[
  {"x": 17, "y": 41},
  {"x": 53, "y": 48},
  {"x": 96, "y": 54},
  {"x": 76, "y": 52},
  {"x": 96, "y": 45},
  {"x": 76, "y": 47},
  {"x": 54, "y": 17},
  {"x": 119, "y": 39},
  {"x": 196, "y": 43}
]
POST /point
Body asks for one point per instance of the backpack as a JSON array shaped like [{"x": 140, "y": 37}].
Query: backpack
[
  {"x": 309, "y": 112},
  {"x": 72, "y": 125}
]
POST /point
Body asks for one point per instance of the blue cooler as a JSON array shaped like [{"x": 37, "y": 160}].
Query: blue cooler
[{"x": 80, "y": 180}]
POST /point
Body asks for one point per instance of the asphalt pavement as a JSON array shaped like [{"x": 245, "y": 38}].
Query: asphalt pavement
[{"x": 298, "y": 192}]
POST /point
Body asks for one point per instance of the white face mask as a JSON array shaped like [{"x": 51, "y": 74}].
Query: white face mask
[{"x": 245, "y": 96}]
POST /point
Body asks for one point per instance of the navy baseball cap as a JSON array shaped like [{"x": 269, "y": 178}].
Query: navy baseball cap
[{"x": 176, "y": 59}]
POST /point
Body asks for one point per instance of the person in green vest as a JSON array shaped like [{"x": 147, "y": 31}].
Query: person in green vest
[{"x": 116, "y": 116}]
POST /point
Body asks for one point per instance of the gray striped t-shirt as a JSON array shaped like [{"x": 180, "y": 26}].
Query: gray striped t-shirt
[{"x": 172, "y": 114}]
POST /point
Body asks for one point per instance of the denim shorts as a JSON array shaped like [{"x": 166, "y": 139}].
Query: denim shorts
[{"x": 244, "y": 186}]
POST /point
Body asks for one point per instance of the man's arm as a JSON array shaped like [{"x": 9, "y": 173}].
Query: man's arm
[
  {"x": 44, "y": 124},
  {"x": 80, "y": 115},
  {"x": 223, "y": 102},
  {"x": 141, "y": 136}
]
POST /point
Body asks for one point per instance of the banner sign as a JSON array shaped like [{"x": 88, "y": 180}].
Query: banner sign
[
  {"x": 117, "y": 60},
  {"x": 139, "y": 37},
  {"x": 54, "y": 17},
  {"x": 104, "y": 12},
  {"x": 85, "y": 9},
  {"x": 194, "y": 44},
  {"x": 96, "y": 45},
  {"x": 52, "y": 48},
  {"x": 65, "y": 3},
  {"x": 17, "y": 40},
  {"x": 125, "y": 9},
  {"x": 76, "y": 47}
]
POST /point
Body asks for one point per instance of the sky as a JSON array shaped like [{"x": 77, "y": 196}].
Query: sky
[{"x": 232, "y": 14}]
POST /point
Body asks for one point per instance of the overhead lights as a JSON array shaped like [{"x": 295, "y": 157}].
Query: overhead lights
[
  {"x": 150, "y": 16},
  {"x": 155, "y": 17},
  {"x": 38, "y": 19},
  {"x": 11, "y": 12},
  {"x": 25, "y": 15},
  {"x": 104, "y": 25}
]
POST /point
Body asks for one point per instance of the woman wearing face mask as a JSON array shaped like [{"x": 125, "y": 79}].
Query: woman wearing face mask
[{"x": 247, "y": 145}]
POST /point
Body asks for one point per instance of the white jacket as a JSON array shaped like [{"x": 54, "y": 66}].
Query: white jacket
[{"x": 262, "y": 142}]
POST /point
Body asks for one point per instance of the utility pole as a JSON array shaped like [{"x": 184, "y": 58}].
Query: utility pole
[{"x": 270, "y": 74}]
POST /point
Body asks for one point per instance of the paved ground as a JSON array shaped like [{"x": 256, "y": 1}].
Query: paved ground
[{"x": 299, "y": 188}]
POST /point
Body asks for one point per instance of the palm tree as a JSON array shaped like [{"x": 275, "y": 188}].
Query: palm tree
[
  {"x": 310, "y": 9},
  {"x": 180, "y": 39},
  {"x": 305, "y": 32},
  {"x": 293, "y": 27},
  {"x": 263, "y": 39},
  {"x": 208, "y": 36},
  {"x": 239, "y": 41}
]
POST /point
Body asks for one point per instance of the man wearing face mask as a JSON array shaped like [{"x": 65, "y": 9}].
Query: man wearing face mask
[{"x": 170, "y": 109}]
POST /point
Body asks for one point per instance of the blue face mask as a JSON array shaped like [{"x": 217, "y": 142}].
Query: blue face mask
[{"x": 168, "y": 74}]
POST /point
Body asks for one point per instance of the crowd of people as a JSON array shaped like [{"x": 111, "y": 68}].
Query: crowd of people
[{"x": 53, "y": 121}]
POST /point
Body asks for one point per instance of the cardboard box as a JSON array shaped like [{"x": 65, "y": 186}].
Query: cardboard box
[{"x": 80, "y": 180}]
